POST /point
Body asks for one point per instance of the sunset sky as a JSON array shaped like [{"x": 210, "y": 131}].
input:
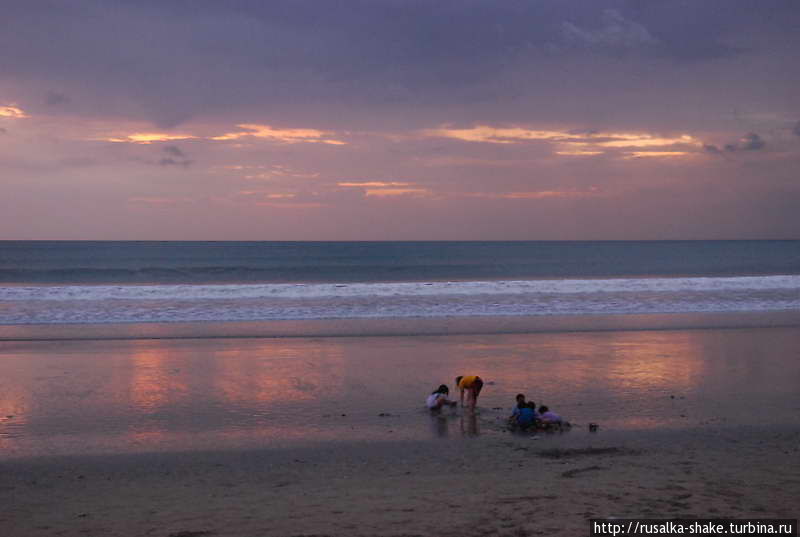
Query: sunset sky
[{"x": 400, "y": 119}]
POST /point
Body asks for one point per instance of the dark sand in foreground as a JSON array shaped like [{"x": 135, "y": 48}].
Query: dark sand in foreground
[{"x": 491, "y": 485}]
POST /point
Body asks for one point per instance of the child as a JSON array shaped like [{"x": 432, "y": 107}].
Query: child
[
  {"x": 549, "y": 417},
  {"x": 524, "y": 415},
  {"x": 472, "y": 384},
  {"x": 438, "y": 398}
]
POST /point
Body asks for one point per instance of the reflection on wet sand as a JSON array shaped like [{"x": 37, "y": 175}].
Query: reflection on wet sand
[
  {"x": 441, "y": 421},
  {"x": 469, "y": 424},
  {"x": 615, "y": 360},
  {"x": 654, "y": 361},
  {"x": 275, "y": 371},
  {"x": 269, "y": 372},
  {"x": 440, "y": 424},
  {"x": 181, "y": 394},
  {"x": 155, "y": 381}
]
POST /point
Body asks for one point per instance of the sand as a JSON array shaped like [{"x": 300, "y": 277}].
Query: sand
[
  {"x": 172, "y": 439},
  {"x": 495, "y": 484}
]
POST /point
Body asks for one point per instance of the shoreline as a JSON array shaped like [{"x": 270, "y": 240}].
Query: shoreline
[{"x": 404, "y": 327}]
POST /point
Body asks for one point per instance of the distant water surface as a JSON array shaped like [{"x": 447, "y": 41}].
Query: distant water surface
[
  {"x": 84, "y": 283},
  {"x": 83, "y": 262}
]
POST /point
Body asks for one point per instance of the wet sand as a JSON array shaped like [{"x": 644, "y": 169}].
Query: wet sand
[
  {"x": 490, "y": 485},
  {"x": 313, "y": 436}
]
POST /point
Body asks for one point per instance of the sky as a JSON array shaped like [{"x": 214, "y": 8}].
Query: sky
[{"x": 400, "y": 120}]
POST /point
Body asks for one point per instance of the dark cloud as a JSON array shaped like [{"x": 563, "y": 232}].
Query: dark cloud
[
  {"x": 615, "y": 32},
  {"x": 174, "y": 162},
  {"x": 796, "y": 129},
  {"x": 78, "y": 162},
  {"x": 173, "y": 150},
  {"x": 54, "y": 98},
  {"x": 3, "y": 131},
  {"x": 210, "y": 57},
  {"x": 751, "y": 142},
  {"x": 177, "y": 158}
]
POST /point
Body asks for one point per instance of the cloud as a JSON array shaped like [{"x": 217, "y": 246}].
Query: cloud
[
  {"x": 173, "y": 150},
  {"x": 382, "y": 189},
  {"x": 372, "y": 184},
  {"x": 616, "y": 32},
  {"x": 751, "y": 142},
  {"x": 655, "y": 154},
  {"x": 578, "y": 153},
  {"x": 272, "y": 172},
  {"x": 538, "y": 195},
  {"x": 78, "y": 162},
  {"x": 179, "y": 160},
  {"x": 173, "y": 162},
  {"x": 499, "y": 135},
  {"x": 160, "y": 202},
  {"x": 54, "y": 98},
  {"x": 275, "y": 134},
  {"x": 3, "y": 131},
  {"x": 796, "y": 129},
  {"x": 12, "y": 111},
  {"x": 573, "y": 143},
  {"x": 645, "y": 140},
  {"x": 285, "y": 56},
  {"x": 148, "y": 137}
]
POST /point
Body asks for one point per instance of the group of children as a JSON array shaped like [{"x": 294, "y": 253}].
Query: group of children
[{"x": 525, "y": 416}]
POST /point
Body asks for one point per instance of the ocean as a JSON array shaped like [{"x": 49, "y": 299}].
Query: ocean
[{"x": 90, "y": 283}]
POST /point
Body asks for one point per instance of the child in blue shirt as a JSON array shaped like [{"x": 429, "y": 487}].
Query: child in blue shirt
[{"x": 524, "y": 415}]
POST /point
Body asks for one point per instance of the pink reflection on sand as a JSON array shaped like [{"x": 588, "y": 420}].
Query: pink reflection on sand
[
  {"x": 622, "y": 361},
  {"x": 278, "y": 371},
  {"x": 16, "y": 378},
  {"x": 654, "y": 362},
  {"x": 155, "y": 380},
  {"x": 152, "y": 437}
]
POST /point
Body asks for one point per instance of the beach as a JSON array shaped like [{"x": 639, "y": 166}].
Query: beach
[
  {"x": 497, "y": 486},
  {"x": 315, "y": 436}
]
